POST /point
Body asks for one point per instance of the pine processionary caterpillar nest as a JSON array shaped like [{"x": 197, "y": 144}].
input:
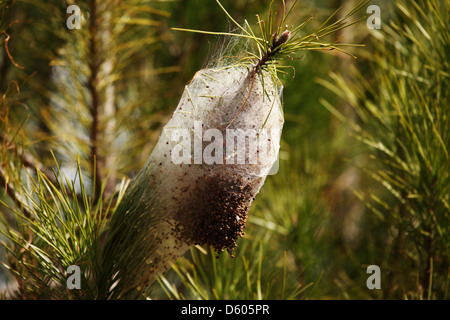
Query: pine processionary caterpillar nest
[
  {"x": 202, "y": 176},
  {"x": 211, "y": 160},
  {"x": 214, "y": 163}
]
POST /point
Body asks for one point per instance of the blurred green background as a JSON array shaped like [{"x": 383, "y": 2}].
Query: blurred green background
[{"x": 351, "y": 190}]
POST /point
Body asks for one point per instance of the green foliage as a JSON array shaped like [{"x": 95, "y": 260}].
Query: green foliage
[
  {"x": 85, "y": 94},
  {"x": 403, "y": 117},
  {"x": 251, "y": 276},
  {"x": 60, "y": 227},
  {"x": 337, "y": 205},
  {"x": 273, "y": 42}
]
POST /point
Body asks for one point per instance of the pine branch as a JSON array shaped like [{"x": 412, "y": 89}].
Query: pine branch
[
  {"x": 94, "y": 66},
  {"x": 13, "y": 194},
  {"x": 171, "y": 207},
  {"x": 27, "y": 159},
  {"x": 63, "y": 232},
  {"x": 403, "y": 121},
  {"x": 7, "y": 15},
  {"x": 102, "y": 108},
  {"x": 109, "y": 113}
]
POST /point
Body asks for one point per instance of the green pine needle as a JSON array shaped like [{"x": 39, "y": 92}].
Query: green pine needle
[{"x": 266, "y": 53}]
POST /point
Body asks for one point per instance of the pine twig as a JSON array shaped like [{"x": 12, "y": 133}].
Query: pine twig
[
  {"x": 13, "y": 194},
  {"x": 94, "y": 67}
]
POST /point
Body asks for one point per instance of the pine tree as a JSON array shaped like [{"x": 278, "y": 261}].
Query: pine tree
[{"x": 82, "y": 110}]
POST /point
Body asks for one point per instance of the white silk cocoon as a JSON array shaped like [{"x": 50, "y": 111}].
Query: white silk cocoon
[{"x": 210, "y": 161}]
